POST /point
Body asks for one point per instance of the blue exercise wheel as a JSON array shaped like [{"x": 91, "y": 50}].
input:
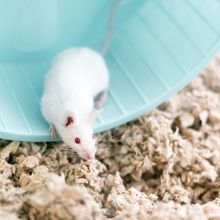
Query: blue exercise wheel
[{"x": 158, "y": 46}]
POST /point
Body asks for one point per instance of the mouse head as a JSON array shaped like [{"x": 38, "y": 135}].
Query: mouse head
[{"x": 77, "y": 133}]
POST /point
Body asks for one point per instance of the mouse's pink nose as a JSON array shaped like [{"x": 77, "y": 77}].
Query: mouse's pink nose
[{"x": 89, "y": 156}]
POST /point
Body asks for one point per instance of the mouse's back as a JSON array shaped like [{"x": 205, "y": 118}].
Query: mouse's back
[
  {"x": 81, "y": 67},
  {"x": 75, "y": 77}
]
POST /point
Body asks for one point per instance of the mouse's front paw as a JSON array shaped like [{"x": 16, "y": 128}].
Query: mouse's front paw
[{"x": 52, "y": 131}]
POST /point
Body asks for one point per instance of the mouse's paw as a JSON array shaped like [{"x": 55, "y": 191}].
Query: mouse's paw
[{"x": 52, "y": 131}]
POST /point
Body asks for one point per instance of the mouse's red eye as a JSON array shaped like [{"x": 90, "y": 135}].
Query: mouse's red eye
[{"x": 77, "y": 140}]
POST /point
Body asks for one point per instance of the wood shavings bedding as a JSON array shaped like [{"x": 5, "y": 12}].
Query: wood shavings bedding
[{"x": 164, "y": 165}]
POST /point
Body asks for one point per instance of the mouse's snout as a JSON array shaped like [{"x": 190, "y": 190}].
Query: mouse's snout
[{"x": 88, "y": 155}]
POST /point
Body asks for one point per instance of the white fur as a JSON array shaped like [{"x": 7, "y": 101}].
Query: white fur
[{"x": 75, "y": 77}]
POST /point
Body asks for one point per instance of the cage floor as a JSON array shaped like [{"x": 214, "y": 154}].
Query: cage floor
[{"x": 155, "y": 53}]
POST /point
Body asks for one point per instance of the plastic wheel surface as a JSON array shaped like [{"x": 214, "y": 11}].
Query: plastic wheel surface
[{"x": 158, "y": 47}]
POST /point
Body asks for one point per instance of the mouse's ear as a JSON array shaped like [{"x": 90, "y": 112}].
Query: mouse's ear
[
  {"x": 69, "y": 119},
  {"x": 100, "y": 99}
]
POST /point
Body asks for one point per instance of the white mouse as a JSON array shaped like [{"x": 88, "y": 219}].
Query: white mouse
[
  {"x": 75, "y": 86},
  {"x": 76, "y": 83}
]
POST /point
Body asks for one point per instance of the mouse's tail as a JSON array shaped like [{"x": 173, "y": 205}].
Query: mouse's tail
[{"x": 110, "y": 27}]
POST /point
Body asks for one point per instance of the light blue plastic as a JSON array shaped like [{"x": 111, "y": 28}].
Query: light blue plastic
[{"x": 158, "y": 47}]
